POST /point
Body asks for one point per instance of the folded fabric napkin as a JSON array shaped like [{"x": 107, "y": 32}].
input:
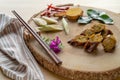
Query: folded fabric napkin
[{"x": 16, "y": 61}]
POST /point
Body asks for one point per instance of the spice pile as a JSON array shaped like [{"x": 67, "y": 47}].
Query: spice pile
[{"x": 89, "y": 39}]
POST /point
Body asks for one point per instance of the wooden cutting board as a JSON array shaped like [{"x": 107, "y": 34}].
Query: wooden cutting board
[{"x": 78, "y": 64}]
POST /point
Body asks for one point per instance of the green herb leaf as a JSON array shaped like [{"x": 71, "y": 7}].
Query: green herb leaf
[
  {"x": 47, "y": 28},
  {"x": 65, "y": 26},
  {"x": 106, "y": 19},
  {"x": 61, "y": 46},
  {"x": 39, "y": 21},
  {"x": 49, "y": 20},
  {"x": 47, "y": 40},
  {"x": 99, "y": 15},
  {"x": 93, "y": 14},
  {"x": 84, "y": 20}
]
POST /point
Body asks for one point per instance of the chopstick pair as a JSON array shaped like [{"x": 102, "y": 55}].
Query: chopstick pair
[{"x": 50, "y": 52}]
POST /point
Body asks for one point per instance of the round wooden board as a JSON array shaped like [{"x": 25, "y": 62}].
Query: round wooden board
[{"x": 78, "y": 64}]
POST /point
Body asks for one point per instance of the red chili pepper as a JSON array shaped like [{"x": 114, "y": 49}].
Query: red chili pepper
[
  {"x": 49, "y": 6},
  {"x": 59, "y": 8},
  {"x": 52, "y": 9},
  {"x": 48, "y": 13},
  {"x": 43, "y": 13}
]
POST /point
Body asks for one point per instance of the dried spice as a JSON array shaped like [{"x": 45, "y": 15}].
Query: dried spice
[
  {"x": 89, "y": 39},
  {"x": 51, "y": 10}
]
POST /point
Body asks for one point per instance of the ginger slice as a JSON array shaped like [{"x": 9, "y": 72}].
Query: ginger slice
[
  {"x": 106, "y": 32},
  {"x": 79, "y": 40},
  {"x": 98, "y": 27},
  {"x": 88, "y": 32},
  {"x": 93, "y": 42},
  {"x": 60, "y": 14},
  {"x": 91, "y": 46},
  {"x": 109, "y": 43},
  {"x": 74, "y": 13},
  {"x": 95, "y": 38}
]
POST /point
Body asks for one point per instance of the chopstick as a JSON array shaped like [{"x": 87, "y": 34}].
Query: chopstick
[{"x": 50, "y": 52}]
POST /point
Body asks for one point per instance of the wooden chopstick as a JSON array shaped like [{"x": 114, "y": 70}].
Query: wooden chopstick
[{"x": 50, "y": 52}]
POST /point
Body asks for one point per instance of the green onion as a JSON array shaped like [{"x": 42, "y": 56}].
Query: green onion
[{"x": 65, "y": 26}]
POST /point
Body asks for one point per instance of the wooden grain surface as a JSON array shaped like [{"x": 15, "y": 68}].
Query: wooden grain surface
[
  {"x": 75, "y": 59},
  {"x": 28, "y": 7}
]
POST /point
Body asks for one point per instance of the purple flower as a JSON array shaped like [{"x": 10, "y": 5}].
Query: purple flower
[{"x": 54, "y": 45}]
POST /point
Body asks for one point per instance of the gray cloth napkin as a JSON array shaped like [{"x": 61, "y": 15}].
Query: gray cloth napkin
[{"x": 16, "y": 61}]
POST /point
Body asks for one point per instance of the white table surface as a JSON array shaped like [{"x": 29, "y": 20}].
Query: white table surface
[
  {"x": 30, "y": 7},
  {"x": 26, "y": 8}
]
